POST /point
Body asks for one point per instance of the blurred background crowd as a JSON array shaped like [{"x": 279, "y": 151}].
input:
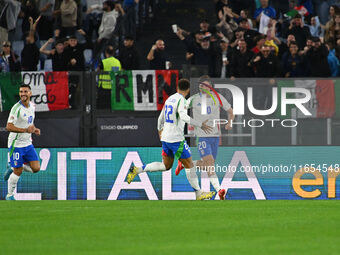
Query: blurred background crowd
[{"x": 232, "y": 38}]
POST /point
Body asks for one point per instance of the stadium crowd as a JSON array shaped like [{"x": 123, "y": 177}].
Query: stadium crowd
[
  {"x": 247, "y": 38},
  {"x": 263, "y": 39}
]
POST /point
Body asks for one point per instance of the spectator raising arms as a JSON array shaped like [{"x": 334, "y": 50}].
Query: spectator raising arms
[
  {"x": 59, "y": 62},
  {"x": 30, "y": 53},
  {"x": 157, "y": 56},
  {"x": 299, "y": 30},
  {"x": 317, "y": 55}
]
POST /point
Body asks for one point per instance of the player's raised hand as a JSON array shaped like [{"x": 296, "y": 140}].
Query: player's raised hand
[
  {"x": 207, "y": 129},
  {"x": 31, "y": 129},
  {"x": 37, "y": 131}
]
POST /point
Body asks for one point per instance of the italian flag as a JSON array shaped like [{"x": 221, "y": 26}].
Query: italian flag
[
  {"x": 49, "y": 90},
  {"x": 325, "y": 97}
]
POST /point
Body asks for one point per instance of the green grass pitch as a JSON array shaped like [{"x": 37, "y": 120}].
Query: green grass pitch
[{"x": 169, "y": 227}]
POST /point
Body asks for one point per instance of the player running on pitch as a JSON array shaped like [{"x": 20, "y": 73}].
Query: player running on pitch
[
  {"x": 171, "y": 124},
  {"x": 21, "y": 127},
  {"x": 208, "y": 143}
]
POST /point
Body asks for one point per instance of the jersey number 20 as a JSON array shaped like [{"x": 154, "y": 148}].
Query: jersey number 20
[{"x": 168, "y": 112}]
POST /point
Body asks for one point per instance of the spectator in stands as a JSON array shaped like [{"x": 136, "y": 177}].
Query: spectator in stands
[
  {"x": 238, "y": 5},
  {"x": 333, "y": 61},
  {"x": 9, "y": 61},
  {"x": 106, "y": 27},
  {"x": 240, "y": 63},
  {"x": 59, "y": 60},
  {"x": 266, "y": 9},
  {"x": 244, "y": 14},
  {"x": 204, "y": 26},
  {"x": 266, "y": 64},
  {"x": 108, "y": 64},
  {"x": 191, "y": 43},
  {"x": 317, "y": 55},
  {"x": 93, "y": 17},
  {"x": 119, "y": 31},
  {"x": 309, "y": 44},
  {"x": 259, "y": 40},
  {"x": 45, "y": 27},
  {"x": 30, "y": 53},
  {"x": 75, "y": 55},
  {"x": 239, "y": 34},
  {"x": 292, "y": 64},
  {"x": 249, "y": 34},
  {"x": 325, "y": 9},
  {"x": 206, "y": 54},
  {"x": 334, "y": 9},
  {"x": 129, "y": 7},
  {"x": 28, "y": 10},
  {"x": 281, "y": 7},
  {"x": 68, "y": 18},
  {"x": 128, "y": 55},
  {"x": 223, "y": 59},
  {"x": 157, "y": 56},
  {"x": 332, "y": 33},
  {"x": 315, "y": 27},
  {"x": 227, "y": 25},
  {"x": 299, "y": 30},
  {"x": 220, "y": 4}
]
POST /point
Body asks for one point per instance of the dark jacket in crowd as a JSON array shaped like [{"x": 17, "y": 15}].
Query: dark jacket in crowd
[
  {"x": 206, "y": 57},
  {"x": 59, "y": 61},
  {"x": 301, "y": 34},
  {"x": 77, "y": 53},
  {"x": 30, "y": 57},
  {"x": 249, "y": 36},
  {"x": 267, "y": 67},
  {"x": 295, "y": 66},
  {"x": 318, "y": 59},
  {"x": 191, "y": 46},
  {"x": 129, "y": 58},
  {"x": 240, "y": 64},
  {"x": 158, "y": 63}
]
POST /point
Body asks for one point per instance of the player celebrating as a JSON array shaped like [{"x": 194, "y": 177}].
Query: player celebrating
[
  {"x": 171, "y": 124},
  {"x": 208, "y": 143},
  {"x": 20, "y": 125}
]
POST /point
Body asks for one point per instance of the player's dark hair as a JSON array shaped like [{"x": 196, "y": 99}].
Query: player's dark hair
[
  {"x": 183, "y": 84},
  {"x": 23, "y": 85}
]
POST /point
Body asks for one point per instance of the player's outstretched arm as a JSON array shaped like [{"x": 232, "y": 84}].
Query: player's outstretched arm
[{"x": 11, "y": 128}]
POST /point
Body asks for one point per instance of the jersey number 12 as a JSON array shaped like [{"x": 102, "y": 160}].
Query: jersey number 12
[{"x": 168, "y": 112}]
